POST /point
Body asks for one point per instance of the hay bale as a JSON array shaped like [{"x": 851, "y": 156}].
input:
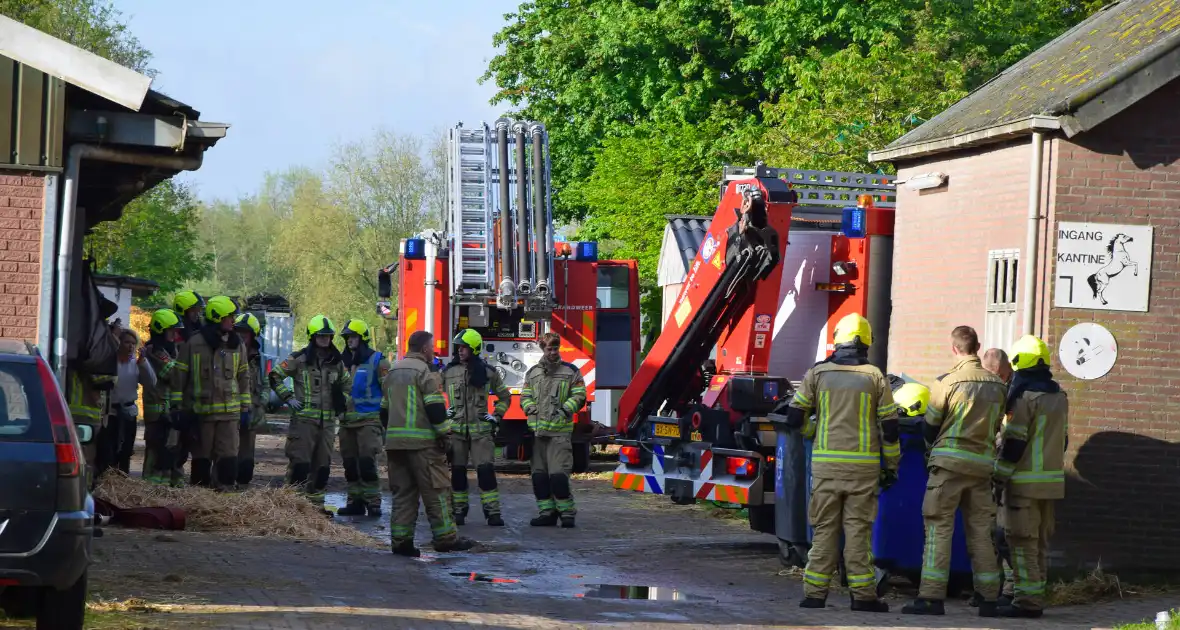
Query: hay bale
[{"x": 268, "y": 512}]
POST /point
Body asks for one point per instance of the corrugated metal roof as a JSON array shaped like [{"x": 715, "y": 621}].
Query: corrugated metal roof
[
  {"x": 689, "y": 232},
  {"x": 1096, "y": 54}
]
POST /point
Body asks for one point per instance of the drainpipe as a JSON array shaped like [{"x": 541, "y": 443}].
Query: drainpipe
[
  {"x": 431, "y": 280},
  {"x": 1030, "y": 242},
  {"x": 69, "y": 212}
]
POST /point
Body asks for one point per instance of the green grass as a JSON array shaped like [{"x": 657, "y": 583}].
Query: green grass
[{"x": 1149, "y": 624}]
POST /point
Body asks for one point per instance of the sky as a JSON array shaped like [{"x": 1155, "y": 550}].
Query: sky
[{"x": 296, "y": 78}]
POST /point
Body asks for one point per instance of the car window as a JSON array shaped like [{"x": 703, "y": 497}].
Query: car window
[{"x": 22, "y": 419}]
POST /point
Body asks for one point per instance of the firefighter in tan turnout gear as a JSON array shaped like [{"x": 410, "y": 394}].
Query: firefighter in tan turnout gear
[
  {"x": 469, "y": 381},
  {"x": 249, "y": 328},
  {"x": 215, "y": 375},
  {"x": 553, "y": 392},
  {"x": 164, "y": 331},
  {"x": 416, "y": 443},
  {"x": 1030, "y": 472},
  {"x": 856, "y": 452},
  {"x": 362, "y": 436},
  {"x": 964, "y": 413},
  {"x": 321, "y": 393}
]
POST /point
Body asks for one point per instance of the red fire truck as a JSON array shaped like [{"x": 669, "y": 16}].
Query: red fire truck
[
  {"x": 497, "y": 267},
  {"x": 716, "y": 439}
]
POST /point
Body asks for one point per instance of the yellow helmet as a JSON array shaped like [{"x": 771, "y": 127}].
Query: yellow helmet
[
  {"x": 912, "y": 399},
  {"x": 218, "y": 308},
  {"x": 1027, "y": 352},
  {"x": 320, "y": 325},
  {"x": 852, "y": 327},
  {"x": 185, "y": 300},
  {"x": 247, "y": 321},
  {"x": 164, "y": 319},
  {"x": 357, "y": 327},
  {"x": 471, "y": 339}
]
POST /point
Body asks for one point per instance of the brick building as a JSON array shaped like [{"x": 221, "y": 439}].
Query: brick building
[
  {"x": 80, "y": 136},
  {"x": 1043, "y": 169}
]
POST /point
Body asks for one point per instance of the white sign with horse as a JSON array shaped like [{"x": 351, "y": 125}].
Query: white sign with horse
[{"x": 1103, "y": 266}]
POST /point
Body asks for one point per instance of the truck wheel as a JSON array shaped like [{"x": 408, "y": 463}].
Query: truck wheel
[
  {"x": 582, "y": 457},
  {"x": 790, "y": 557},
  {"x": 762, "y": 518},
  {"x": 63, "y": 610}
]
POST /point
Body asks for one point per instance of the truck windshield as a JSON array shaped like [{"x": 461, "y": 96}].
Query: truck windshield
[{"x": 22, "y": 414}]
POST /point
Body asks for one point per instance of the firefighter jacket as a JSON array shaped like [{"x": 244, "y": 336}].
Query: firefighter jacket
[
  {"x": 965, "y": 409},
  {"x": 413, "y": 395},
  {"x": 1041, "y": 421},
  {"x": 855, "y": 422},
  {"x": 86, "y": 395},
  {"x": 258, "y": 389},
  {"x": 216, "y": 384},
  {"x": 158, "y": 400},
  {"x": 552, "y": 394},
  {"x": 322, "y": 384},
  {"x": 469, "y": 401},
  {"x": 368, "y": 369}
]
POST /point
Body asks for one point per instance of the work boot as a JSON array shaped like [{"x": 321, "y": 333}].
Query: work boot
[
  {"x": 987, "y": 609},
  {"x": 870, "y": 605},
  {"x": 460, "y": 515},
  {"x": 924, "y": 607},
  {"x": 374, "y": 508},
  {"x": 458, "y": 543},
  {"x": 494, "y": 520},
  {"x": 813, "y": 602},
  {"x": 546, "y": 519},
  {"x": 567, "y": 521},
  {"x": 1004, "y": 600},
  {"x": 355, "y": 507},
  {"x": 1016, "y": 611},
  {"x": 407, "y": 549}
]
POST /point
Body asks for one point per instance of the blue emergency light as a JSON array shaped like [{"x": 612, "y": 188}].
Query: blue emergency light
[
  {"x": 586, "y": 250},
  {"x": 852, "y": 222},
  {"x": 416, "y": 248}
]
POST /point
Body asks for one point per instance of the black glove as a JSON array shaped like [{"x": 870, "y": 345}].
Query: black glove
[{"x": 887, "y": 478}]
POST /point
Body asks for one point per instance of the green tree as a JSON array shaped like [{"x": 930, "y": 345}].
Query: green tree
[
  {"x": 157, "y": 238},
  {"x": 93, "y": 25}
]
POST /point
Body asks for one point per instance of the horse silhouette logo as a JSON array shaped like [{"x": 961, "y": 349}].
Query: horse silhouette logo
[{"x": 1120, "y": 259}]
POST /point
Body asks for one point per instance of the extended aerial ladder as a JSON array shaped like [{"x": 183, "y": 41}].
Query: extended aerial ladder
[{"x": 697, "y": 428}]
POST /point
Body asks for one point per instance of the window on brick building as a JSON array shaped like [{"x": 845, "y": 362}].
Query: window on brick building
[{"x": 1000, "y": 325}]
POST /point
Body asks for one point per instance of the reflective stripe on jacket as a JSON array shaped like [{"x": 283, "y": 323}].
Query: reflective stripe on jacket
[
  {"x": 555, "y": 392},
  {"x": 850, "y": 403},
  {"x": 966, "y": 404},
  {"x": 157, "y": 400},
  {"x": 323, "y": 386},
  {"x": 85, "y": 396},
  {"x": 217, "y": 383},
  {"x": 470, "y": 404},
  {"x": 1042, "y": 421},
  {"x": 409, "y": 388}
]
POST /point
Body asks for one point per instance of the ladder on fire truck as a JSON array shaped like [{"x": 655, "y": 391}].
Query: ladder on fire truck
[{"x": 470, "y": 203}]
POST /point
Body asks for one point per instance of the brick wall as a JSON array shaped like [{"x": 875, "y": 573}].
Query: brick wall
[
  {"x": 22, "y": 197},
  {"x": 1122, "y": 503},
  {"x": 941, "y": 245}
]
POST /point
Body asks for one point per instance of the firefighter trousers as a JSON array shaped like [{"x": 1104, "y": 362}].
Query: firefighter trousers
[
  {"x": 947, "y": 492},
  {"x": 215, "y": 456},
  {"x": 247, "y": 442},
  {"x": 553, "y": 461},
  {"x": 480, "y": 451},
  {"x": 420, "y": 475},
  {"x": 848, "y": 507},
  {"x": 157, "y": 459},
  {"x": 1028, "y": 524},
  {"x": 360, "y": 448},
  {"x": 309, "y": 455}
]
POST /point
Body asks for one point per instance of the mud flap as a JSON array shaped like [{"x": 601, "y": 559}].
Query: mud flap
[{"x": 790, "y": 495}]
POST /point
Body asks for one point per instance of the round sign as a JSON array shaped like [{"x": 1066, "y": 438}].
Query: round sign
[{"x": 1088, "y": 351}]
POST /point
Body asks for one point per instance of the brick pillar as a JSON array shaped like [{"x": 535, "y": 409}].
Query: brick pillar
[{"x": 22, "y": 198}]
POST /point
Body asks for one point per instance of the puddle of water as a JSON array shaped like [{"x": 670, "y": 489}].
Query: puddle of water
[
  {"x": 481, "y": 577},
  {"x": 650, "y": 593}
]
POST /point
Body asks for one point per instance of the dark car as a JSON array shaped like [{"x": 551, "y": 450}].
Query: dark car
[{"x": 46, "y": 511}]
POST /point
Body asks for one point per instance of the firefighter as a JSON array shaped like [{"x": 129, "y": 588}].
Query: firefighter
[
  {"x": 961, "y": 422},
  {"x": 553, "y": 392},
  {"x": 912, "y": 399},
  {"x": 468, "y": 382},
  {"x": 362, "y": 437},
  {"x": 416, "y": 443},
  {"x": 164, "y": 330},
  {"x": 996, "y": 361},
  {"x": 217, "y": 375},
  {"x": 248, "y": 328},
  {"x": 1029, "y": 475},
  {"x": 87, "y": 396},
  {"x": 321, "y": 394},
  {"x": 852, "y": 460},
  {"x": 189, "y": 306}
]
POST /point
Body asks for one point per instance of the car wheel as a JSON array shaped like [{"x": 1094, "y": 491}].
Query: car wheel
[
  {"x": 63, "y": 610},
  {"x": 582, "y": 457}
]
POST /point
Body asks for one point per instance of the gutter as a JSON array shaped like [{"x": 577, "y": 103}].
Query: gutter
[
  {"x": 66, "y": 230},
  {"x": 1029, "y": 266},
  {"x": 987, "y": 135}
]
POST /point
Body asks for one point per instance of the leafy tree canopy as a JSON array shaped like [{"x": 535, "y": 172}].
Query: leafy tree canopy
[{"x": 93, "y": 25}]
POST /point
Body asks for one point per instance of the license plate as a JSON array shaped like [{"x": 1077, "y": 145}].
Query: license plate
[{"x": 666, "y": 430}]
